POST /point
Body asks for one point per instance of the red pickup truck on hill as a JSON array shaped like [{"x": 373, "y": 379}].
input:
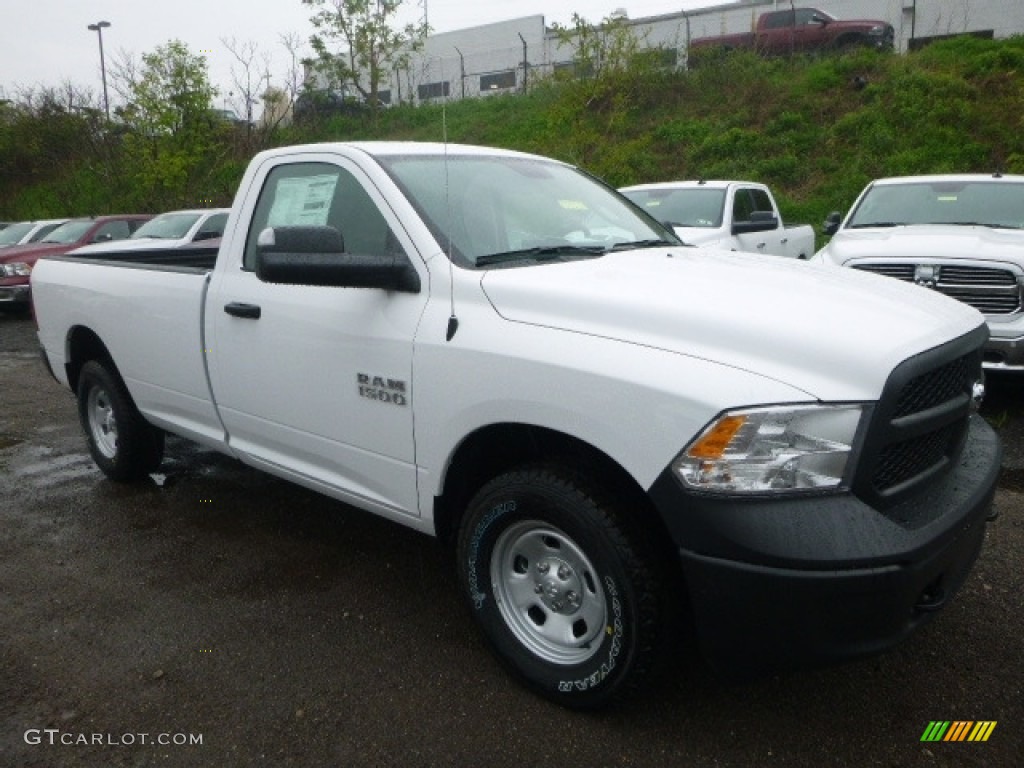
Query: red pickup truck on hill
[{"x": 799, "y": 30}]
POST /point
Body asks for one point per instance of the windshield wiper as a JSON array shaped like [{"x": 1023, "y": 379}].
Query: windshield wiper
[
  {"x": 878, "y": 224},
  {"x": 637, "y": 244},
  {"x": 981, "y": 224},
  {"x": 540, "y": 253}
]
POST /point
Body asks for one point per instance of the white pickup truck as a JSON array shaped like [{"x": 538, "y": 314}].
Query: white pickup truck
[
  {"x": 496, "y": 349},
  {"x": 961, "y": 235},
  {"x": 728, "y": 215}
]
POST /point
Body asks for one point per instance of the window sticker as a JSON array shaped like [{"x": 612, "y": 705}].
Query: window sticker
[
  {"x": 572, "y": 205},
  {"x": 302, "y": 201}
]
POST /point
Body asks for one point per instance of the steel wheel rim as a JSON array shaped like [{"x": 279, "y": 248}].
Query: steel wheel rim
[
  {"x": 548, "y": 593},
  {"x": 102, "y": 423}
]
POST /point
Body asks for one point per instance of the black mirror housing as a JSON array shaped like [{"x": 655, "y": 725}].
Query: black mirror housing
[
  {"x": 316, "y": 256},
  {"x": 760, "y": 221},
  {"x": 832, "y": 222}
]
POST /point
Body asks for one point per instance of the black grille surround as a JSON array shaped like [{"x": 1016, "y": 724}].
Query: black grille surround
[{"x": 918, "y": 428}]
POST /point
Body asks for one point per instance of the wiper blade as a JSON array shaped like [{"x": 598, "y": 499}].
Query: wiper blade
[
  {"x": 989, "y": 224},
  {"x": 637, "y": 244},
  {"x": 878, "y": 224},
  {"x": 540, "y": 253}
]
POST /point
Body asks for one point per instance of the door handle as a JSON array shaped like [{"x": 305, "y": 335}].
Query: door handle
[
  {"x": 761, "y": 245},
  {"x": 238, "y": 309}
]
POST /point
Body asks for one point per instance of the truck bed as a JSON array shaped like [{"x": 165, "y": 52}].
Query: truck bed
[{"x": 147, "y": 309}]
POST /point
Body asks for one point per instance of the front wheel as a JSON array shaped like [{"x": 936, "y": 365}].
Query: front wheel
[
  {"x": 122, "y": 443},
  {"x": 560, "y": 582}
]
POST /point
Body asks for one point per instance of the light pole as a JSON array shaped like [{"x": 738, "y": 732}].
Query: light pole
[{"x": 98, "y": 28}]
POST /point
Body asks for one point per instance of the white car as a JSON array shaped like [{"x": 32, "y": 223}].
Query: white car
[
  {"x": 25, "y": 232},
  {"x": 961, "y": 235},
  {"x": 168, "y": 230},
  {"x": 730, "y": 215}
]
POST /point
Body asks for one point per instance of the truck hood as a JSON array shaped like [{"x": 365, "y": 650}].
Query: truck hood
[
  {"x": 926, "y": 241},
  {"x": 835, "y": 334},
  {"x": 32, "y": 251}
]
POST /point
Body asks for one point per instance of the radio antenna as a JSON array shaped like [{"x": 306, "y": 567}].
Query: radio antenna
[{"x": 453, "y": 321}]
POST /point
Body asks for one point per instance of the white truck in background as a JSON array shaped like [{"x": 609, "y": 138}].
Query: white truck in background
[
  {"x": 606, "y": 426},
  {"x": 959, "y": 234},
  {"x": 172, "y": 229},
  {"x": 728, "y": 215}
]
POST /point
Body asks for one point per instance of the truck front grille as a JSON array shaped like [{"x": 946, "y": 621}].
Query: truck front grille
[
  {"x": 990, "y": 290},
  {"x": 919, "y": 425}
]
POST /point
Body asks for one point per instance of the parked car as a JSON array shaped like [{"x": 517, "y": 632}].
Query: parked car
[
  {"x": 168, "y": 230},
  {"x": 731, "y": 215},
  {"x": 311, "y": 105},
  {"x": 16, "y": 262},
  {"x": 961, "y": 235},
  {"x": 800, "y": 30},
  {"x": 24, "y": 232},
  {"x": 606, "y": 426}
]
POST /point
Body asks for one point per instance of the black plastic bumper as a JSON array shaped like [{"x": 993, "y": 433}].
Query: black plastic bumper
[{"x": 783, "y": 583}]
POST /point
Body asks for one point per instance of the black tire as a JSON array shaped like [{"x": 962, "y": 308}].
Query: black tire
[
  {"x": 122, "y": 443},
  {"x": 558, "y": 579}
]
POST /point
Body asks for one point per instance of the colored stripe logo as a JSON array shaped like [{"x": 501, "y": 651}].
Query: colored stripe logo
[{"x": 958, "y": 730}]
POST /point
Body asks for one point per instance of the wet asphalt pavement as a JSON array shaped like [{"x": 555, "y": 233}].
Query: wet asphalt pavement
[{"x": 277, "y": 627}]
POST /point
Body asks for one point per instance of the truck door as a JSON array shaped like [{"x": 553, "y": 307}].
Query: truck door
[
  {"x": 808, "y": 34},
  {"x": 746, "y": 201},
  {"x": 315, "y": 383}
]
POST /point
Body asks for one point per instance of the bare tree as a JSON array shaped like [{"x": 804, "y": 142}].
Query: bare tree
[{"x": 250, "y": 76}]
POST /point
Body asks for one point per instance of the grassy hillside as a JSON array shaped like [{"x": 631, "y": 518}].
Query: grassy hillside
[{"x": 815, "y": 129}]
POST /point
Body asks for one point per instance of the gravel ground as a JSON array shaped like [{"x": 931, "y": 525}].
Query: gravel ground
[{"x": 277, "y": 627}]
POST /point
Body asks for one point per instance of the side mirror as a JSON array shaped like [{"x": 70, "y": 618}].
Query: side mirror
[
  {"x": 316, "y": 256},
  {"x": 832, "y": 222},
  {"x": 760, "y": 221}
]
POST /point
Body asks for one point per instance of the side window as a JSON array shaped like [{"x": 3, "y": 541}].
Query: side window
[
  {"x": 212, "y": 227},
  {"x": 320, "y": 194},
  {"x": 779, "y": 20},
  {"x": 742, "y": 205},
  {"x": 805, "y": 16},
  {"x": 112, "y": 230},
  {"x": 761, "y": 201}
]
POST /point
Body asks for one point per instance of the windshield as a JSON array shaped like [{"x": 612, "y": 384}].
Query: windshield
[
  {"x": 985, "y": 203},
  {"x": 69, "y": 232},
  {"x": 12, "y": 235},
  {"x": 167, "y": 226},
  {"x": 690, "y": 207},
  {"x": 518, "y": 210}
]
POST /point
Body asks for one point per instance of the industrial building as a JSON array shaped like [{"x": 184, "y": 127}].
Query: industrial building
[{"x": 507, "y": 56}]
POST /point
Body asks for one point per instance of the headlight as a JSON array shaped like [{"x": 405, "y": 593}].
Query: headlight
[
  {"x": 771, "y": 450},
  {"x": 16, "y": 269}
]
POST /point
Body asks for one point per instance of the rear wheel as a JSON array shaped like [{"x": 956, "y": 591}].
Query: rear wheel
[
  {"x": 122, "y": 443},
  {"x": 561, "y": 584}
]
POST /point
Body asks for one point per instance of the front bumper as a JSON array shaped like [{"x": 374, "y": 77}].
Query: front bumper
[
  {"x": 777, "y": 584},
  {"x": 14, "y": 294},
  {"x": 1004, "y": 350}
]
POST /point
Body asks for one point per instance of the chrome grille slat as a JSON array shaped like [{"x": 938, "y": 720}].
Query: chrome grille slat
[{"x": 990, "y": 290}]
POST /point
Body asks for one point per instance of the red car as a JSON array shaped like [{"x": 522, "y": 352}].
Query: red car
[{"x": 16, "y": 262}]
